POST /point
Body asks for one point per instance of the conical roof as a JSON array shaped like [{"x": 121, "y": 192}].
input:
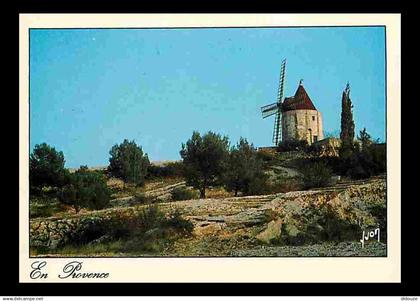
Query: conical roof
[{"x": 301, "y": 101}]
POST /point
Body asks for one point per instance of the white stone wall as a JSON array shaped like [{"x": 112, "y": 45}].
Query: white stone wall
[{"x": 302, "y": 125}]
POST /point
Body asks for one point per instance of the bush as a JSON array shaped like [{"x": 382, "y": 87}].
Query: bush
[
  {"x": 317, "y": 174},
  {"x": 142, "y": 198},
  {"x": 150, "y": 217},
  {"x": 148, "y": 231},
  {"x": 128, "y": 162},
  {"x": 266, "y": 156},
  {"x": 284, "y": 185},
  {"x": 86, "y": 190},
  {"x": 259, "y": 186},
  {"x": 315, "y": 225},
  {"x": 380, "y": 213},
  {"x": 362, "y": 159},
  {"x": 176, "y": 222},
  {"x": 171, "y": 169},
  {"x": 365, "y": 163},
  {"x": 337, "y": 229},
  {"x": 155, "y": 231},
  {"x": 183, "y": 193}
]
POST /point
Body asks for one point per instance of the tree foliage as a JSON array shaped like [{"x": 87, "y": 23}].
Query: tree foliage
[
  {"x": 87, "y": 189},
  {"x": 46, "y": 167},
  {"x": 244, "y": 168},
  {"x": 317, "y": 174},
  {"x": 170, "y": 169},
  {"x": 204, "y": 159},
  {"x": 362, "y": 162},
  {"x": 128, "y": 162},
  {"x": 365, "y": 139},
  {"x": 368, "y": 161},
  {"x": 347, "y": 124}
]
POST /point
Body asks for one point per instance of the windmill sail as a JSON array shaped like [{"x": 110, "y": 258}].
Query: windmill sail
[
  {"x": 277, "y": 121},
  {"x": 269, "y": 110},
  {"x": 276, "y": 108}
]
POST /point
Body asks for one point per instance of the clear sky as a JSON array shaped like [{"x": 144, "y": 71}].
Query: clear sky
[{"x": 90, "y": 89}]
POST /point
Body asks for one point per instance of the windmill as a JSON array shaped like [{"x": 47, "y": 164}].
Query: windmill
[{"x": 276, "y": 108}]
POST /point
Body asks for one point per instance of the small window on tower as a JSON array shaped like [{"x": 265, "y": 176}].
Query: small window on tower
[{"x": 313, "y": 118}]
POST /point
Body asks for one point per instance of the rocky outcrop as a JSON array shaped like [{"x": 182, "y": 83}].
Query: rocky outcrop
[{"x": 271, "y": 233}]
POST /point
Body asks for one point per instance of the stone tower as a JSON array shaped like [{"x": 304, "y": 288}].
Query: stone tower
[{"x": 300, "y": 118}]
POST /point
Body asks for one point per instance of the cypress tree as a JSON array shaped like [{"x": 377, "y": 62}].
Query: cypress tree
[{"x": 347, "y": 123}]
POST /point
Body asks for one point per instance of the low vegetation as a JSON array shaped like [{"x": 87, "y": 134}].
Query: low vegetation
[
  {"x": 168, "y": 170},
  {"x": 317, "y": 174},
  {"x": 86, "y": 189},
  {"x": 148, "y": 232},
  {"x": 183, "y": 193}
]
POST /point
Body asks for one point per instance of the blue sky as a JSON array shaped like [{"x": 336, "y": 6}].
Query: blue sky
[{"x": 93, "y": 88}]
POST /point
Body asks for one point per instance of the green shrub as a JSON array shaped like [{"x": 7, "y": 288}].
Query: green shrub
[
  {"x": 262, "y": 186},
  {"x": 337, "y": 229},
  {"x": 89, "y": 230},
  {"x": 259, "y": 186},
  {"x": 178, "y": 223},
  {"x": 142, "y": 198},
  {"x": 266, "y": 156},
  {"x": 157, "y": 231},
  {"x": 316, "y": 225},
  {"x": 150, "y": 217},
  {"x": 87, "y": 189},
  {"x": 380, "y": 213},
  {"x": 317, "y": 174},
  {"x": 171, "y": 169},
  {"x": 183, "y": 193}
]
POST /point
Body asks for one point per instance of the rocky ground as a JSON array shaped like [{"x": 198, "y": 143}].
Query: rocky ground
[{"x": 323, "y": 222}]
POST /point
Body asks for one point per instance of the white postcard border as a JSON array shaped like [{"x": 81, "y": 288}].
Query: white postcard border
[{"x": 223, "y": 269}]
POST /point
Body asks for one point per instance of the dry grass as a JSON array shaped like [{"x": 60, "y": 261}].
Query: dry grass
[{"x": 218, "y": 193}]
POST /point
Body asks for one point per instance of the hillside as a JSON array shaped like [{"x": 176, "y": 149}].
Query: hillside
[{"x": 319, "y": 222}]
